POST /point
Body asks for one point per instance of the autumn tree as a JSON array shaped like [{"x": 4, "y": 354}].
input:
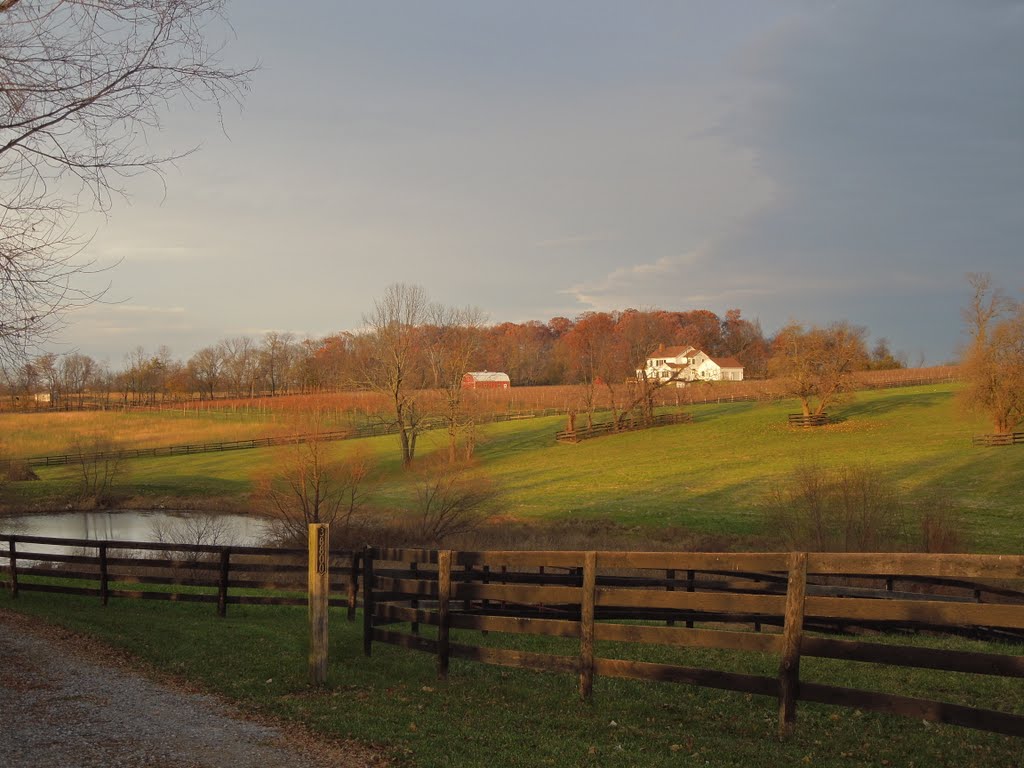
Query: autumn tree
[
  {"x": 815, "y": 364},
  {"x": 744, "y": 340},
  {"x": 594, "y": 357},
  {"x": 640, "y": 333},
  {"x": 994, "y": 360},
  {"x": 390, "y": 359},
  {"x": 84, "y": 83}
]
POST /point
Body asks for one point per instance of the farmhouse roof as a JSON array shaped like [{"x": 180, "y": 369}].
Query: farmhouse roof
[
  {"x": 673, "y": 351},
  {"x": 488, "y": 375}
]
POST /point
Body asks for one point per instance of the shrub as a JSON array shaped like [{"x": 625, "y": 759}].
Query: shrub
[
  {"x": 856, "y": 509},
  {"x": 846, "y": 510}
]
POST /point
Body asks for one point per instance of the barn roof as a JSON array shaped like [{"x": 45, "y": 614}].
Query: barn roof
[{"x": 488, "y": 376}]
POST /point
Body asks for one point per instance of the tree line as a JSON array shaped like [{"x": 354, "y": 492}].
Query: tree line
[{"x": 593, "y": 347}]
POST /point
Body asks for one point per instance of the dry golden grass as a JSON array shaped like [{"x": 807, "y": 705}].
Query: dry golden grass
[
  {"x": 54, "y": 433},
  {"x": 42, "y": 434}
]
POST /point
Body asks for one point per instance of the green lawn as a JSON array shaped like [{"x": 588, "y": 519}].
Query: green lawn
[
  {"x": 489, "y": 716},
  {"x": 708, "y": 477}
]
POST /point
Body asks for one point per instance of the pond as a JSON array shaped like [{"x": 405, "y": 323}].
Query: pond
[{"x": 143, "y": 525}]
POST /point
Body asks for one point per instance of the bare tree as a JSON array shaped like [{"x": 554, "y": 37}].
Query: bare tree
[
  {"x": 311, "y": 487},
  {"x": 206, "y": 369},
  {"x": 99, "y": 462},
  {"x": 455, "y": 336},
  {"x": 449, "y": 502},
  {"x": 391, "y": 359},
  {"x": 241, "y": 364},
  {"x": 83, "y": 83},
  {"x": 994, "y": 361},
  {"x": 276, "y": 357}
]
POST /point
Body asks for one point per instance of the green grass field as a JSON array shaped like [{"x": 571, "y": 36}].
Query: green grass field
[
  {"x": 708, "y": 477},
  {"x": 486, "y": 716}
]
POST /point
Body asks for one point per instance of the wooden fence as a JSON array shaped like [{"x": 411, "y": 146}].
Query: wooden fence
[
  {"x": 628, "y": 425},
  {"x": 704, "y": 601},
  {"x": 1011, "y": 438},
  {"x": 165, "y": 571},
  {"x": 811, "y": 420},
  {"x": 788, "y": 605}
]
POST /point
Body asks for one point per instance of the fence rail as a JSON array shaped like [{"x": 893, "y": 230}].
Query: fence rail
[
  {"x": 700, "y": 600},
  {"x": 810, "y": 420},
  {"x": 168, "y": 571},
  {"x": 765, "y": 603},
  {"x": 630, "y": 425},
  {"x": 1011, "y": 438}
]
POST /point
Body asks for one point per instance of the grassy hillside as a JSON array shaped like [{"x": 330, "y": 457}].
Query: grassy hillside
[{"x": 709, "y": 476}]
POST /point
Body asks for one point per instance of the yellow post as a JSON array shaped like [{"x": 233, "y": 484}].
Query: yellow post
[{"x": 319, "y": 589}]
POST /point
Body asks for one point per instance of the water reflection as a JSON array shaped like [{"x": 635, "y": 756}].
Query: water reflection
[{"x": 144, "y": 525}]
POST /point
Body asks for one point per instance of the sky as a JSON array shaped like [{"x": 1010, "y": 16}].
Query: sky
[{"x": 807, "y": 160}]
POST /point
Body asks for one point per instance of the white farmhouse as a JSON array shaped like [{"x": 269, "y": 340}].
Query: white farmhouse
[{"x": 683, "y": 364}]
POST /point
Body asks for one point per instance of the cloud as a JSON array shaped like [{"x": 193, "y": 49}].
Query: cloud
[{"x": 623, "y": 286}]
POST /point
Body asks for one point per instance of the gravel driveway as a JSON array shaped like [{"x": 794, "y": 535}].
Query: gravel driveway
[{"x": 61, "y": 704}]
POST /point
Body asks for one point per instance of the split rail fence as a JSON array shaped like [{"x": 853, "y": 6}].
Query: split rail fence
[
  {"x": 787, "y": 605},
  {"x": 628, "y": 425},
  {"x": 694, "y": 600},
  {"x": 194, "y": 573},
  {"x": 1010, "y": 438}
]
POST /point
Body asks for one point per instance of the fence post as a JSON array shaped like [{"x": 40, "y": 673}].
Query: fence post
[
  {"x": 444, "y": 595},
  {"x": 367, "y": 599},
  {"x": 319, "y": 586},
  {"x": 104, "y": 584},
  {"x": 792, "y": 633},
  {"x": 222, "y": 583},
  {"x": 414, "y": 626},
  {"x": 14, "y": 565},
  {"x": 670, "y": 574},
  {"x": 587, "y": 625},
  {"x": 486, "y": 604},
  {"x": 690, "y": 587},
  {"x": 353, "y": 586}
]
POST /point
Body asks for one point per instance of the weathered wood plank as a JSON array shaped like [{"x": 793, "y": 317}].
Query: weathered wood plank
[
  {"x": 925, "y": 612},
  {"x": 690, "y": 638},
  {"x": 915, "y": 564},
  {"x": 922, "y": 709},
  {"x": 444, "y": 595},
  {"x": 588, "y": 590},
  {"x": 701, "y": 601},
  {"x": 411, "y": 587},
  {"x": 517, "y": 625},
  {"x": 542, "y": 662},
  {"x": 729, "y": 681},
  {"x": 792, "y": 632},
  {"x": 566, "y": 559},
  {"x": 696, "y": 561},
  {"x": 1003, "y": 665},
  {"x": 516, "y": 594}
]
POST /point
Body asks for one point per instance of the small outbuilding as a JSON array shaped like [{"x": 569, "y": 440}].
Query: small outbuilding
[{"x": 486, "y": 380}]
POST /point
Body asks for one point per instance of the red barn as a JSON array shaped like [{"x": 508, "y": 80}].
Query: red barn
[{"x": 485, "y": 380}]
